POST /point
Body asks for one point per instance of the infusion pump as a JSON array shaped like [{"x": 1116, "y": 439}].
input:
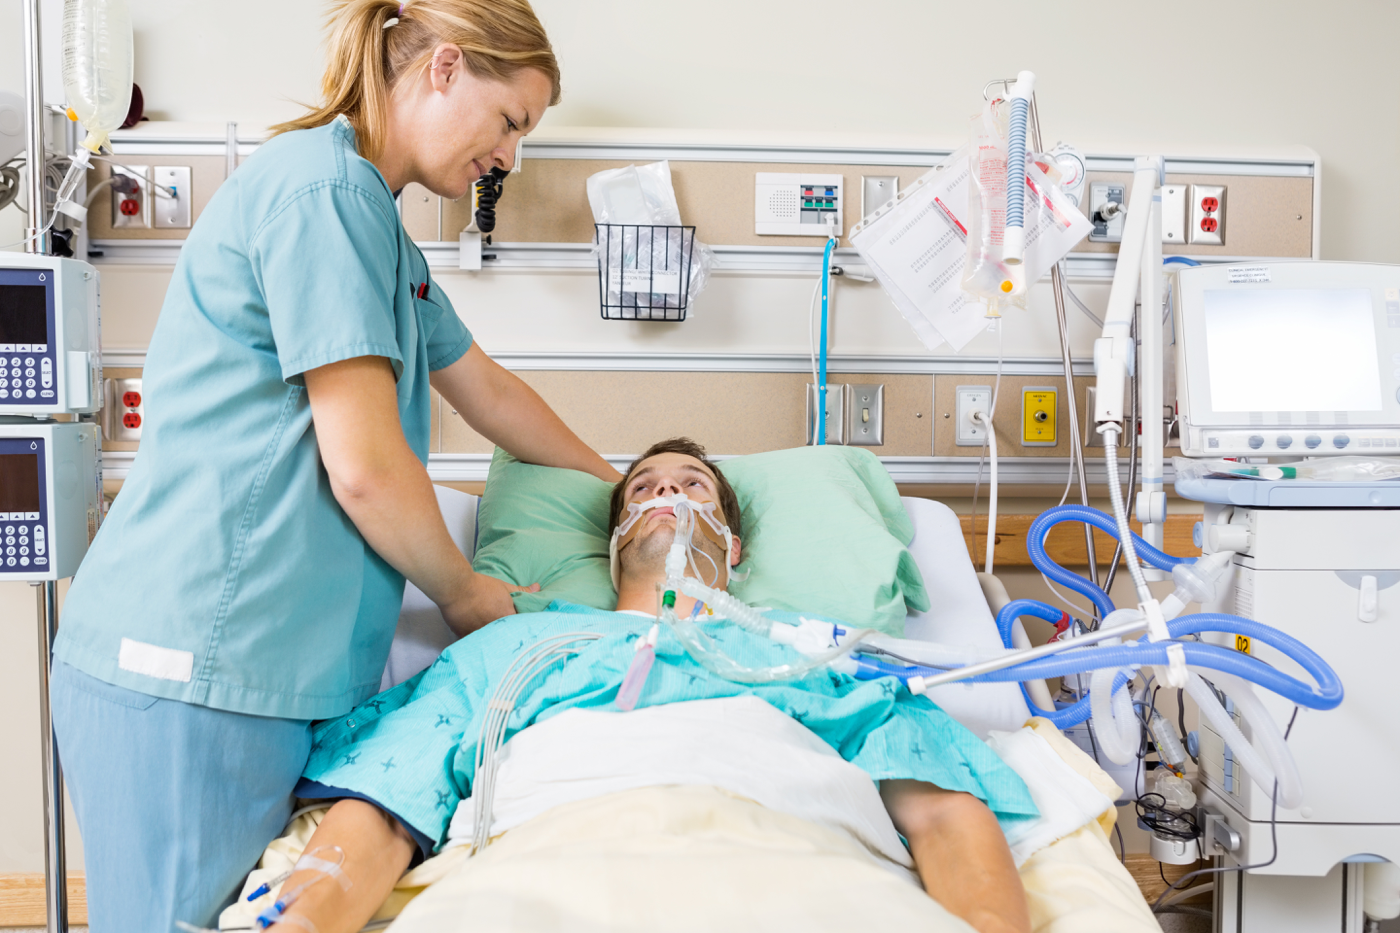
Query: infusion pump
[
  {"x": 50, "y": 497},
  {"x": 50, "y": 350}
]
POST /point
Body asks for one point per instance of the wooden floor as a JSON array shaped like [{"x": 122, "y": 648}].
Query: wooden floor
[{"x": 22, "y": 900}]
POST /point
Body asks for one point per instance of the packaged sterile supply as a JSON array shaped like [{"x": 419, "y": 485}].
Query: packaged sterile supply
[
  {"x": 1313, "y": 470},
  {"x": 650, "y": 260}
]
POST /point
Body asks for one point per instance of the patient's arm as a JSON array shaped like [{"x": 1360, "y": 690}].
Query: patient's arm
[
  {"x": 377, "y": 851},
  {"x": 960, "y": 854}
]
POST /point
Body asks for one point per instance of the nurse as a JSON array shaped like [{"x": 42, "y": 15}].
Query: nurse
[{"x": 248, "y": 579}]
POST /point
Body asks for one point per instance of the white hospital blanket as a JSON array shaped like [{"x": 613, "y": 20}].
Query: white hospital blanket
[
  {"x": 746, "y": 747},
  {"x": 740, "y": 744}
]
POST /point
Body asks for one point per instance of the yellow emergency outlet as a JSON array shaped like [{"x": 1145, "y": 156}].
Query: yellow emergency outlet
[{"x": 1039, "y": 411}]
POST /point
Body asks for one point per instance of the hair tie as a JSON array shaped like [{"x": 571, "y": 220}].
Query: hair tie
[{"x": 394, "y": 20}]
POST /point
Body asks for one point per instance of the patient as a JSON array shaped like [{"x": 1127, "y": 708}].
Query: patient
[{"x": 401, "y": 763}]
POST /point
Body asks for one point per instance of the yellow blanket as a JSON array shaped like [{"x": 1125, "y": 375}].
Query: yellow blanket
[{"x": 698, "y": 858}]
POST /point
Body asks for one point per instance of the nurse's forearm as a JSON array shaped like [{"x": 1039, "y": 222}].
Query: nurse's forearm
[
  {"x": 507, "y": 412},
  {"x": 376, "y": 852},
  {"x": 385, "y": 490},
  {"x": 960, "y": 854}
]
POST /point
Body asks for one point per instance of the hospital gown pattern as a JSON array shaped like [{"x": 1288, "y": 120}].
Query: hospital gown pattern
[{"x": 413, "y": 748}]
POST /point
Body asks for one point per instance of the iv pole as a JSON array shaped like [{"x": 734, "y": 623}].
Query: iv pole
[{"x": 46, "y": 593}]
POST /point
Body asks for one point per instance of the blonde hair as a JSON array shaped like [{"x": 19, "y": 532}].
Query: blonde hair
[{"x": 498, "y": 39}]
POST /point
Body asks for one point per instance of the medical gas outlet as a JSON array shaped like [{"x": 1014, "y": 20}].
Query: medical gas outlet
[
  {"x": 1039, "y": 410},
  {"x": 794, "y": 204}
]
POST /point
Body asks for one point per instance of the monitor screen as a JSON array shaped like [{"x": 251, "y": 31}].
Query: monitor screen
[
  {"x": 24, "y": 314},
  {"x": 19, "y": 482},
  {"x": 1292, "y": 349}
]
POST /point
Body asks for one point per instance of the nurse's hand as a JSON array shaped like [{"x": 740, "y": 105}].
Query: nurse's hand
[{"x": 483, "y": 599}]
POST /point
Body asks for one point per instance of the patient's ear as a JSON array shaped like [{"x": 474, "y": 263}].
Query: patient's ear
[{"x": 735, "y": 549}]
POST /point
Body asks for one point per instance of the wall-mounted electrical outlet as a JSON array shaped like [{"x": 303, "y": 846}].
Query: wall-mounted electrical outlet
[
  {"x": 1207, "y": 227},
  {"x": 835, "y": 414},
  {"x": 125, "y": 412},
  {"x": 866, "y": 404},
  {"x": 172, "y": 197},
  {"x": 1039, "y": 415},
  {"x": 970, "y": 399},
  {"x": 131, "y": 201}
]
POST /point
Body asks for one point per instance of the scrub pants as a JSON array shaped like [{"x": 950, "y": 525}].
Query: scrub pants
[{"x": 175, "y": 802}]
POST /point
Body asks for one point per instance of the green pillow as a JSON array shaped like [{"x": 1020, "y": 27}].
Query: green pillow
[
  {"x": 824, "y": 531},
  {"x": 548, "y": 526}
]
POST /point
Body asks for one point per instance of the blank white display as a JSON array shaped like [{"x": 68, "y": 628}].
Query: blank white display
[{"x": 1292, "y": 349}]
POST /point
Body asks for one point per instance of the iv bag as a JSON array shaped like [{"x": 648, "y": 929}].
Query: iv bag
[{"x": 97, "y": 67}]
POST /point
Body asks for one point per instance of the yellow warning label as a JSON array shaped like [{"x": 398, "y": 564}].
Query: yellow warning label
[{"x": 1242, "y": 643}]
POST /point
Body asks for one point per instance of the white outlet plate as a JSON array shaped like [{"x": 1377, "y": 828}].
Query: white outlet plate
[
  {"x": 1174, "y": 214},
  {"x": 172, "y": 213},
  {"x": 141, "y": 218},
  {"x": 835, "y": 414},
  {"x": 797, "y": 204},
  {"x": 972, "y": 398}
]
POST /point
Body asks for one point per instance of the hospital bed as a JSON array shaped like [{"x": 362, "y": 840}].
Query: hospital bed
[{"x": 555, "y": 871}]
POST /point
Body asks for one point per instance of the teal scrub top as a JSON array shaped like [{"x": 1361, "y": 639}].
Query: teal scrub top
[{"x": 226, "y": 574}]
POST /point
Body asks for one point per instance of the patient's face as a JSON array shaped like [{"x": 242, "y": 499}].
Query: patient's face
[{"x": 667, "y": 474}]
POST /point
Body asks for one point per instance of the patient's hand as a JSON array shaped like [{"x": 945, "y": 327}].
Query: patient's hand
[
  {"x": 960, "y": 853},
  {"x": 482, "y": 599}
]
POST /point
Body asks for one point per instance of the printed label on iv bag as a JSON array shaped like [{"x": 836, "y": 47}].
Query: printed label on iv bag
[
  {"x": 656, "y": 282},
  {"x": 1250, "y": 275}
]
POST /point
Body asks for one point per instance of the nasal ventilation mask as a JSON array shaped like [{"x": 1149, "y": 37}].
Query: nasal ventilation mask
[{"x": 708, "y": 524}]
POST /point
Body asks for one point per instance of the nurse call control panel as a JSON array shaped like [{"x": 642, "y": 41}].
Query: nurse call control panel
[{"x": 49, "y": 344}]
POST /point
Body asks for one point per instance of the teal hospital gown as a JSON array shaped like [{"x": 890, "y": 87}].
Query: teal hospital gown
[{"x": 412, "y": 749}]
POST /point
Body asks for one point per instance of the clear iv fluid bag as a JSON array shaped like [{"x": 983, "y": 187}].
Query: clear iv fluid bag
[{"x": 97, "y": 65}]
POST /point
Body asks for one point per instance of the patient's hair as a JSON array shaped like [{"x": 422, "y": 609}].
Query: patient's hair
[{"x": 728, "y": 501}]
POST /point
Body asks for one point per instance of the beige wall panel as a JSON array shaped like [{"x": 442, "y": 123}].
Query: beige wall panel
[
  {"x": 132, "y": 297},
  {"x": 1265, "y": 215},
  {"x": 730, "y": 413},
  {"x": 419, "y": 208},
  {"x": 435, "y": 426},
  {"x": 1007, "y": 420},
  {"x": 547, "y": 202},
  {"x": 206, "y": 174}
]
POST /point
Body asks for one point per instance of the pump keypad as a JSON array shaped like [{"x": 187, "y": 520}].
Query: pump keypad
[{"x": 24, "y": 542}]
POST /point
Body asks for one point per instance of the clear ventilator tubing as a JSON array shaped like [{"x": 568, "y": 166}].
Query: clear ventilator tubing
[
  {"x": 1254, "y": 764},
  {"x": 1115, "y": 726},
  {"x": 728, "y": 607},
  {"x": 699, "y": 646},
  {"x": 1268, "y": 738}
]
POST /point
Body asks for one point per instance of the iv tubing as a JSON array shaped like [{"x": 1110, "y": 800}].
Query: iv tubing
[{"x": 820, "y": 414}]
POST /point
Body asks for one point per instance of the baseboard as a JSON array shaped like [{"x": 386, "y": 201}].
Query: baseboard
[{"x": 22, "y": 900}]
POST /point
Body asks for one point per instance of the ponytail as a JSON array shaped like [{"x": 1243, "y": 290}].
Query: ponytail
[{"x": 376, "y": 43}]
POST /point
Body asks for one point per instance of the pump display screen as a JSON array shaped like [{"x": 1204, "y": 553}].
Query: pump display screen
[
  {"x": 23, "y": 314},
  {"x": 1292, "y": 349},
  {"x": 19, "y": 482}
]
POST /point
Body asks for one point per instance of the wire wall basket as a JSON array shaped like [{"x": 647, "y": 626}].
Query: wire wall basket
[{"x": 644, "y": 271}]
